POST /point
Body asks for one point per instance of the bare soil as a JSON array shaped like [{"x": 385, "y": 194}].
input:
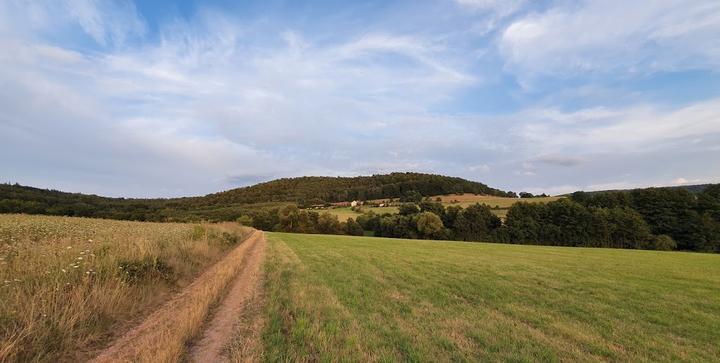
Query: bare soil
[{"x": 234, "y": 309}]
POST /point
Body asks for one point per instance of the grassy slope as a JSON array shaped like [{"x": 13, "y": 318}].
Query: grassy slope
[
  {"x": 463, "y": 200},
  {"x": 372, "y": 299}
]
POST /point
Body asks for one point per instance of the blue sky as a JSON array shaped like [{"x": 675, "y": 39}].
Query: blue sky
[{"x": 161, "y": 98}]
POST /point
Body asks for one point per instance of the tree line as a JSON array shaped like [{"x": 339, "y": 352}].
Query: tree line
[{"x": 654, "y": 218}]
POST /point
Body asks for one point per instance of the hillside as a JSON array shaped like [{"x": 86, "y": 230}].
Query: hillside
[
  {"x": 228, "y": 205},
  {"x": 318, "y": 190}
]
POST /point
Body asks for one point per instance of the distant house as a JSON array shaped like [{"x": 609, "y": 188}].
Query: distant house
[{"x": 354, "y": 203}]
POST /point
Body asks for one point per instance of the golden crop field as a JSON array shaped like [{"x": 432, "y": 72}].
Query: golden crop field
[{"x": 69, "y": 285}]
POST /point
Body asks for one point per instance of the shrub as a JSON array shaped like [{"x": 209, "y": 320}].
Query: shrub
[
  {"x": 148, "y": 268},
  {"x": 353, "y": 228},
  {"x": 229, "y": 238},
  {"x": 198, "y": 232},
  {"x": 664, "y": 243},
  {"x": 245, "y": 220}
]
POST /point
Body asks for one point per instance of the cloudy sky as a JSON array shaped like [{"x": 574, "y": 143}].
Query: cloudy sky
[{"x": 153, "y": 98}]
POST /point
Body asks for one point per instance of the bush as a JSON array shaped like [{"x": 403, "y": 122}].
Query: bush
[
  {"x": 144, "y": 270},
  {"x": 229, "y": 238},
  {"x": 407, "y": 209},
  {"x": 664, "y": 242},
  {"x": 198, "y": 232},
  {"x": 245, "y": 220},
  {"x": 353, "y": 228}
]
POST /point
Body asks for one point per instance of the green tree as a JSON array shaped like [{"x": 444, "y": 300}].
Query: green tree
[
  {"x": 245, "y": 220},
  {"x": 407, "y": 209},
  {"x": 353, "y": 228},
  {"x": 476, "y": 223},
  {"x": 328, "y": 224},
  {"x": 429, "y": 225}
]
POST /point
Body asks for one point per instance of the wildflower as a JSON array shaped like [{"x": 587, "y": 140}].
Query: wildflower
[
  {"x": 79, "y": 258},
  {"x": 64, "y": 270},
  {"x": 69, "y": 247}
]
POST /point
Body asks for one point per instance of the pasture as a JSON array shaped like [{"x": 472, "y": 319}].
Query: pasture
[
  {"x": 500, "y": 205},
  {"x": 375, "y": 299},
  {"x": 343, "y": 213}
]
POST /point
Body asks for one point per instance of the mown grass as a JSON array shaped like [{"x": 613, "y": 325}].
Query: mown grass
[
  {"x": 340, "y": 298},
  {"x": 69, "y": 285}
]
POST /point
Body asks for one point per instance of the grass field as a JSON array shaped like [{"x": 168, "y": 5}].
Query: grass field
[
  {"x": 462, "y": 200},
  {"x": 68, "y": 285},
  {"x": 373, "y": 299},
  {"x": 467, "y": 199},
  {"x": 344, "y": 213}
]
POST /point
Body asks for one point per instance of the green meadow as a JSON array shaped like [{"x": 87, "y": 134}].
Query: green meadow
[{"x": 375, "y": 299}]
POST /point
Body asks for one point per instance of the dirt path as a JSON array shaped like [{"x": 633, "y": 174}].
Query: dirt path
[
  {"x": 234, "y": 308},
  {"x": 163, "y": 335}
]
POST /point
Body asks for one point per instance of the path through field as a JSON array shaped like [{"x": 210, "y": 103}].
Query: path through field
[
  {"x": 233, "y": 308},
  {"x": 162, "y": 337}
]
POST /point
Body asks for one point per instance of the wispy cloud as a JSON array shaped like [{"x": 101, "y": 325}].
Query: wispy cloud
[
  {"x": 614, "y": 36},
  {"x": 99, "y": 97}
]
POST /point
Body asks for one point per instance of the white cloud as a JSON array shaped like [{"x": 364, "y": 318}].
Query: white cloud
[
  {"x": 209, "y": 102},
  {"x": 106, "y": 21},
  {"x": 498, "y": 7},
  {"x": 623, "y": 129},
  {"x": 202, "y": 104},
  {"x": 630, "y": 37}
]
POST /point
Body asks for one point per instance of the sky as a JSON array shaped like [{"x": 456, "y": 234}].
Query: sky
[{"x": 180, "y": 98}]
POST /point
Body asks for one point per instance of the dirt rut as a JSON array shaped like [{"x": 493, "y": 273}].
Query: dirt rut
[
  {"x": 163, "y": 335},
  {"x": 232, "y": 309}
]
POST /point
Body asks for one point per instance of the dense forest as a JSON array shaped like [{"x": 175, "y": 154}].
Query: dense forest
[
  {"x": 229, "y": 205},
  {"x": 654, "y": 218}
]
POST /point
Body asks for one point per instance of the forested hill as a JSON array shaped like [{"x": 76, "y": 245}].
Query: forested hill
[
  {"x": 318, "y": 190},
  {"x": 228, "y": 205}
]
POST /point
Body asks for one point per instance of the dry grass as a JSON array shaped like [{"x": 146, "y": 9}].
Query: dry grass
[
  {"x": 163, "y": 335},
  {"x": 467, "y": 199},
  {"x": 69, "y": 285}
]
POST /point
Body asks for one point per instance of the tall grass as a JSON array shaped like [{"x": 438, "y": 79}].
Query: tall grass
[{"x": 69, "y": 285}]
